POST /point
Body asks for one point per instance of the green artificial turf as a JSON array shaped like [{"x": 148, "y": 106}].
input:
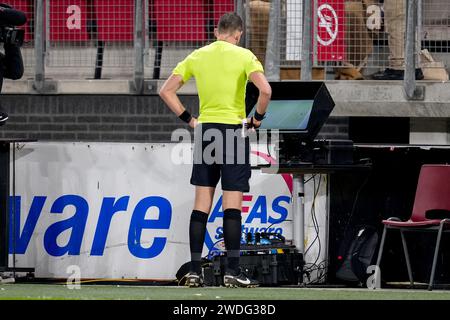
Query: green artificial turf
[{"x": 120, "y": 292}]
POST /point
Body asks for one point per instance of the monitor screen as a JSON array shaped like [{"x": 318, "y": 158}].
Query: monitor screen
[
  {"x": 300, "y": 108},
  {"x": 287, "y": 114}
]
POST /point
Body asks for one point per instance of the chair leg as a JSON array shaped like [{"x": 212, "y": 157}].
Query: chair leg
[
  {"x": 408, "y": 264},
  {"x": 380, "y": 250},
  {"x": 436, "y": 253}
]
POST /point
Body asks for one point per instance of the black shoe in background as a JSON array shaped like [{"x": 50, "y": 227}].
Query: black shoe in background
[
  {"x": 3, "y": 117},
  {"x": 391, "y": 74},
  {"x": 419, "y": 74}
]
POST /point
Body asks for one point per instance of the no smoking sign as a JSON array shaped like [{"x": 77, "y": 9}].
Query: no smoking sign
[
  {"x": 328, "y": 25},
  {"x": 330, "y": 30}
]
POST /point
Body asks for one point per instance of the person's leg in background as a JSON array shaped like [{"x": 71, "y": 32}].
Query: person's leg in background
[
  {"x": 395, "y": 18},
  {"x": 197, "y": 229},
  {"x": 259, "y": 24},
  {"x": 358, "y": 41},
  {"x": 395, "y": 25}
]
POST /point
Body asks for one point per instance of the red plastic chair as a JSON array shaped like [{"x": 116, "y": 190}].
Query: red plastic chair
[{"x": 432, "y": 198}]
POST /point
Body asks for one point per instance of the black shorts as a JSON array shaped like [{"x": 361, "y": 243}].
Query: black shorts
[{"x": 220, "y": 151}]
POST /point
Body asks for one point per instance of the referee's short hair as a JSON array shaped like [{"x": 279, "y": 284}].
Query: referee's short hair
[{"x": 230, "y": 22}]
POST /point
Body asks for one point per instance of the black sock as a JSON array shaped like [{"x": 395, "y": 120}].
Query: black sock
[
  {"x": 232, "y": 237},
  {"x": 197, "y": 229}
]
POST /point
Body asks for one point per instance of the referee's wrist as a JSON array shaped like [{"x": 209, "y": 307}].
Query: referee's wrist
[
  {"x": 185, "y": 116},
  {"x": 259, "y": 116}
]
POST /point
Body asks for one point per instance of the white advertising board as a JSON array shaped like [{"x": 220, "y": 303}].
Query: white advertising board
[{"x": 121, "y": 210}]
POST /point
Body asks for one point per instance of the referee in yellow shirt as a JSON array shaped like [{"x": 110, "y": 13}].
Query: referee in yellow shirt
[{"x": 221, "y": 71}]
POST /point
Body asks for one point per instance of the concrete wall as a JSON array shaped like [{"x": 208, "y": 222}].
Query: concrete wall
[
  {"x": 430, "y": 131},
  {"x": 112, "y": 118}
]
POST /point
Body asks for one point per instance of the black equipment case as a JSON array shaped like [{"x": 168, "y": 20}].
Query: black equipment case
[{"x": 270, "y": 266}]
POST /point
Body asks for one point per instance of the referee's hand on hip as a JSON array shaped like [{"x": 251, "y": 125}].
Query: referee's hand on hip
[
  {"x": 252, "y": 123},
  {"x": 193, "y": 123}
]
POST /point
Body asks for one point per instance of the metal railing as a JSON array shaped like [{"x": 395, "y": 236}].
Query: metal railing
[
  {"x": 104, "y": 39},
  {"x": 145, "y": 39}
]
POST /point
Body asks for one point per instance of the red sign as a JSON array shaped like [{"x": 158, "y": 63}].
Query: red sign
[
  {"x": 68, "y": 20},
  {"x": 330, "y": 26}
]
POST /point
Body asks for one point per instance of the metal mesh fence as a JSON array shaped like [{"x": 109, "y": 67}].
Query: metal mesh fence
[
  {"x": 366, "y": 36},
  {"x": 176, "y": 27},
  {"x": 274, "y": 31},
  {"x": 90, "y": 38},
  {"x": 352, "y": 38},
  {"x": 434, "y": 33},
  {"x": 349, "y": 33},
  {"x": 95, "y": 38},
  {"x": 257, "y": 26}
]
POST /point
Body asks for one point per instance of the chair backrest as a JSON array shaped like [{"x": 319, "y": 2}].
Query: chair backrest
[
  {"x": 180, "y": 20},
  {"x": 115, "y": 20},
  {"x": 68, "y": 20},
  {"x": 221, "y": 7},
  {"x": 433, "y": 191}
]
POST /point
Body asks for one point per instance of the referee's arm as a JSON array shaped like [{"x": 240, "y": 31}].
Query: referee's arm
[
  {"x": 265, "y": 93},
  {"x": 169, "y": 95}
]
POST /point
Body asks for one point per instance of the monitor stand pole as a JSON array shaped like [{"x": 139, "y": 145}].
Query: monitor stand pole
[{"x": 298, "y": 212}]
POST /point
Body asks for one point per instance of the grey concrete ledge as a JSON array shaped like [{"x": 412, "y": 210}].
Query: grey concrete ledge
[
  {"x": 353, "y": 98},
  {"x": 388, "y": 99},
  {"x": 69, "y": 87},
  {"x": 89, "y": 86}
]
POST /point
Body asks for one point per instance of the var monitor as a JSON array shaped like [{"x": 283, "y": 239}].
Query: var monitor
[
  {"x": 290, "y": 115},
  {"x": 297, "y": 107}
]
